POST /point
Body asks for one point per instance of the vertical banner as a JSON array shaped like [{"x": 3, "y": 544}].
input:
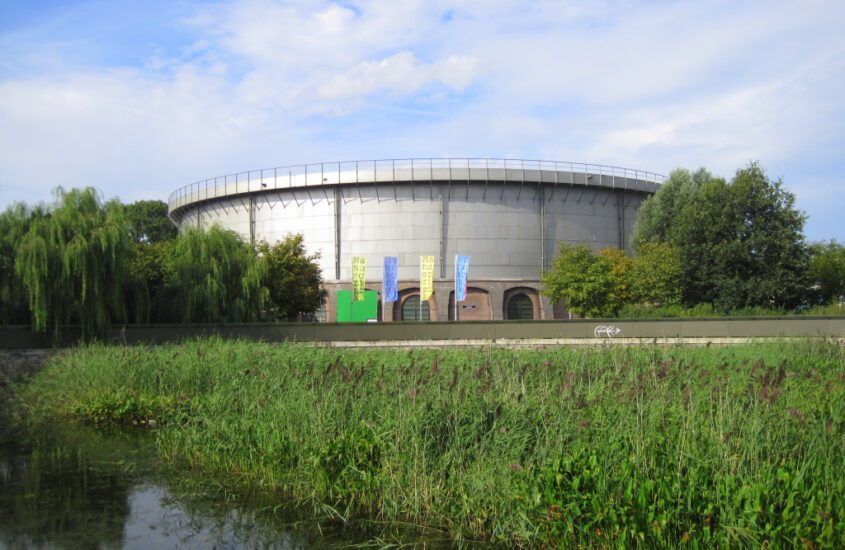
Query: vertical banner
[
  {"x": 461, "y": 270},
  {"x": 426, "y": 277},
  {"x": 389, "y": 290},
  {"x": 359, "y": 275}
]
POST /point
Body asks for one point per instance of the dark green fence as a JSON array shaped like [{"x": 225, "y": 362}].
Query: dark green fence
[{"x": 470, "y": 332}]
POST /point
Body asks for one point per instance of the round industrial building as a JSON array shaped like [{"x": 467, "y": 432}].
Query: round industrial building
[{"x": 508, "y": 216}]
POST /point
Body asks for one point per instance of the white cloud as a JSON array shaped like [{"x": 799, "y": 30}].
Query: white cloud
[
  {"x": 649, "y": 85},
  {"x": 119, "y": 126},
  {"x": 399, "y": 73},
  {"x": 773, "y": 121},
  {"x": 298, "y": 36},
  {"x": 335, "y": 19}
]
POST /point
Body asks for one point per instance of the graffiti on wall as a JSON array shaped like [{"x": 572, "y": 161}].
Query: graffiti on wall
[{"x": 606, "y": 331}]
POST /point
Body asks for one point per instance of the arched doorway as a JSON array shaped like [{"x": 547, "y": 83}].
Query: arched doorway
[
  {"x": 411, "y": 309},
  {"x": 520, "y": 307},
  {"x": 476, "y": 307}
]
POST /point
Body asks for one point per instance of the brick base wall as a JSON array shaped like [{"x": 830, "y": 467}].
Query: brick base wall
[{"x": 489, "y": 298}]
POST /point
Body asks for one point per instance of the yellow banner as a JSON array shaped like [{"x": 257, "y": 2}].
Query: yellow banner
[
  {"x": 359, "y": 276},
  {"x": 426, "y": 277}
]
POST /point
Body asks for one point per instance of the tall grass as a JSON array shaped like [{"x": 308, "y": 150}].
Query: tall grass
[
  {"x": 611, "y": 446},
  {"x": 704, "y": 310}
]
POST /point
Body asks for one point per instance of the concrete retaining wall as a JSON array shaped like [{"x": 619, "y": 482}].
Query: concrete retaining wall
[{"x": 466, "y": 332}]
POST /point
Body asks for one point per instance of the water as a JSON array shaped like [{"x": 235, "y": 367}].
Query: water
[{"x": 81, "y": 488}]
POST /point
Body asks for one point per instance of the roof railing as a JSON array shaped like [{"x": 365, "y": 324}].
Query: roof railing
[{"x": 367, "y": 171}]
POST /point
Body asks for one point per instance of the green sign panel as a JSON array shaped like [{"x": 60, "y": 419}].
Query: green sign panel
[{"x": 356, "y": 312}]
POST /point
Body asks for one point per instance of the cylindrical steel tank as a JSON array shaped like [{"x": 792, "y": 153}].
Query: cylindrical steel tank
[{"x": 508, "y": 215}]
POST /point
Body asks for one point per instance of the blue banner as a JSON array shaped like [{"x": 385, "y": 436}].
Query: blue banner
[
  {"x": 461, "y": 270},
  {"x": 389, "y": 290}
]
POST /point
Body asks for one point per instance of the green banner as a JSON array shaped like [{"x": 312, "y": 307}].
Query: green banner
[{"x": 357, "y": 312}]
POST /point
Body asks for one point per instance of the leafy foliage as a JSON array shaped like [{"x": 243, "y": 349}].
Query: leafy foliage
[
  {"x": 87, "y": 262},
  {"x": 619, "y": 274},
  {"x": 656, "y": 275},
  {"x": 740, "y": 243},
  {"x": 658, "y": 214},
  {"x": 599, "y": 285},
  {"x": 293, "y": 278},
  {"x": 582, "y": 279},
  {"x": 145, "y": 294},
  {"x": 73, "y": 263},
  {"x": 643, "y": 311},
  {"x": 351, "y": 462},
  {"x": 149, "y": 222},
  {"x": 151, "y": 232},
  {"x": 121, "y": 408},
  {"x": 14, "y": 224},
  {"x": 213, "y": 276},
  {"x": 827, "y": 272}
]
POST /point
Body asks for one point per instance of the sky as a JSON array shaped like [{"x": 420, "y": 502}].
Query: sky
[{"x": 138, "y": 99}]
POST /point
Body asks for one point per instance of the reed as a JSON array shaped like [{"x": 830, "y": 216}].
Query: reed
[{"x": 650, "y": 446}]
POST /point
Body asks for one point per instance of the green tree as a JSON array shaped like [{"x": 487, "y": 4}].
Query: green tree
[
  {"x": 655, "y": 276},
  {"x": 294, "y": 280},
  {"x": 622, "y": 289},
  {"x": 149, "y": 222},
  {"x": 581, "y": 278},
  {"x": 658, "y": 213},
  {"x": 151, "y": 230},
  {"x": 73, "y": 263},
  {"x": 827, "y": 272},
  {"x": 740, "y": 243},
  {"x": 599, "y": 285},
  {"x": 145, "y": 293},
  {"x": 213, "y": 276},
  {"x": 14, "y": 224}
]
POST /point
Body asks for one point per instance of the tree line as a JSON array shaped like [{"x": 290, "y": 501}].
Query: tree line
[
  {"x": 702, "y": 244},
  {"x": 705, "y": 245},
  {"x": 93, "y": 263}
]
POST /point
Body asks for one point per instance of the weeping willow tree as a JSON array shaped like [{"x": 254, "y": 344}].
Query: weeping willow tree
[
  {"x": 14, "y": 224},
  {"x": 72, "y": 263},
  {"x": 213, "y": 276}
]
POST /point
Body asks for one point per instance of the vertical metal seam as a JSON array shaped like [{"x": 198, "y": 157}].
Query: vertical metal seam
[
  {"x": 337, "y": 233},
  {"x": 442, "y": 240},
  {"x": 542, "y": 228},
  {"x": 251, "y": 219},
  {"x": 620, "y": 197}
]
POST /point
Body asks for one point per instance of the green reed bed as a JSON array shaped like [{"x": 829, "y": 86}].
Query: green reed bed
[{"x": 600, "y": 447}]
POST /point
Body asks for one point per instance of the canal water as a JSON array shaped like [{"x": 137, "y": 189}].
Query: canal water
[{"x": 88, "y": 489}]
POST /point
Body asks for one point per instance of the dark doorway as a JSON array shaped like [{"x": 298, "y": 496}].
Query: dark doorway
[
  {"x": 411, "y": 309},
  {"x": 520, "y": 307}
]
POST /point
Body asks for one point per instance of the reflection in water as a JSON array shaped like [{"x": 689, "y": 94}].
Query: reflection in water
[
  {"x": 156, "y": 520},
  {"x": 83, "y": 489},
  {"x": 57, "y": 498}
]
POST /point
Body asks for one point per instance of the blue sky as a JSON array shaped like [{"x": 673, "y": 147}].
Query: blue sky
[{"x": 140, "y": 98}]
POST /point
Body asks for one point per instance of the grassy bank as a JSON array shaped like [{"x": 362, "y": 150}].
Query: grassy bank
[
  {"x": 656, "y": 446},
  {"x": 706, "y": 311}
]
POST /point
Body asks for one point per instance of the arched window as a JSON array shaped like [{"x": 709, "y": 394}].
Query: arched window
[
  {"x": 520, "y": 307},
  {"x": 411, "y": 309}
]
